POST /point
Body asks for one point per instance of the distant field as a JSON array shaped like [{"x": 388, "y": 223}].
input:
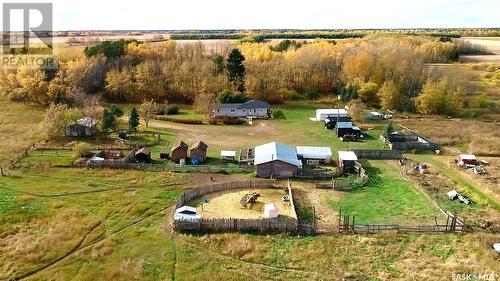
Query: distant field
[{"x": 493, "y": 45}]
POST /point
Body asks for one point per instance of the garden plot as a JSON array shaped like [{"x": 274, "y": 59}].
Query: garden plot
[{"x": 227, "y": 204}]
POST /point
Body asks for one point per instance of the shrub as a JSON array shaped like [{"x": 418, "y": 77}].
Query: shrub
[
  {"x": 277, "y": 114},
  {"x": 227, "y": 120},
  {"x": 172, "y": 109},
  {"x": 178, "y": 120},
  {"x": 275, "y": 99},
  {"x": 81, "y": 150},
  {"x": 313, "y": 92},
  {"x": 290, "y": 95}
]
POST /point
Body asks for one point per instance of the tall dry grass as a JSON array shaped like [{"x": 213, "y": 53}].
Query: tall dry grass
[{"x": 481, "y": 138}]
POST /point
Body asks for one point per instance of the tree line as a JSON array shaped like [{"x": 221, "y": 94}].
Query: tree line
[{"x": 383, "y": 71}]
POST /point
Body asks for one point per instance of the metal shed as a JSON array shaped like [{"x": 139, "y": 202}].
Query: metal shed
[{"x": 323, "y": 154}]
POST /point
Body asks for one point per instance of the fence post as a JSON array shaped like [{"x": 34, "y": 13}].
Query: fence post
[
  {"x": 1, "y": 172},
  {"x": 314, "y": 217}
]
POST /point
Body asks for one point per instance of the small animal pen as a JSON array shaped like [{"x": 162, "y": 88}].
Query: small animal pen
[
  {"x": 347, "y": 224},
  {"x": 225, "y": 224},
  {"x": 399, "y": 141}
]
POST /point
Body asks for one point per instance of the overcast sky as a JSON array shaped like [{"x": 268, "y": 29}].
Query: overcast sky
[{"x": 262, "y": 14}]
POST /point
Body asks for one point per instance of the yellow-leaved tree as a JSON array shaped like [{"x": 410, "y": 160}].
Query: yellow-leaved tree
[{"x": 432, "y": 98}]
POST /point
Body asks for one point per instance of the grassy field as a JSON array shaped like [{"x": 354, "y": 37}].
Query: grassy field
[
  {"x": 118, "y": 231},
  {"x": 63, "y": 223},
  {"x": 18, "y": 127},
  {"x": 74, "y": 210},
  {"x": 48, "y": 157},
  {"x": 387, "y": 199}
]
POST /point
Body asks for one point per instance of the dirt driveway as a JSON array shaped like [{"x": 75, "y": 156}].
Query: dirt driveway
[{"x": 216, "y": 136}]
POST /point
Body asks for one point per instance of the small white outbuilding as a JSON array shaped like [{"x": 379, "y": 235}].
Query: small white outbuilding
[
  {"x": 323, "y": 114},
  {"x": 271, "y": 211},
  {"x": 228, "y": 154},
  {"x": 186, "y": 213},
  {"x": 322, "y": 154}
]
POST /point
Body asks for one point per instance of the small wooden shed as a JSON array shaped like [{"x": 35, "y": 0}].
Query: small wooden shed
[
  {"x": 179, "y": 151},
  {"x": 84, "y": 127},
  {"x": 466, "y": 159},
  {"x": 347, "y": 160},
  {"x": 143, "y": 155},
  {"x": 198, "y": 152}
]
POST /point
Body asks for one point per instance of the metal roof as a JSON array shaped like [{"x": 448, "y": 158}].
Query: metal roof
[
  {"x": 347, "y": 156},
  {"x": 276, "y": 151},
  {"x": 467, "y": 156},
  {"x": 251, "y": 104},
  {"x": 87, "y": 122},
  {"x": 344, "y": 125},
  {"x": 185, "y": 208},
  {"x": 201, "y": 145},
  {"x": 228, "y": 153},
  {"x": 254, "y": 104},
  {"x": 228, "y": 105},
  {"x": 143, "y": 150},
  {"x": 332, "y": 111},
  {"x": 314, "y": 151}
]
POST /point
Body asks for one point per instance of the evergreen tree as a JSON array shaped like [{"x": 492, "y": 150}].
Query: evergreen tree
[
  {"x": 116, "y": 111},
  {"x": 236, "y": 70},
  {"x": 133, "y": 120},
  {"x": 108, "y": 121}
]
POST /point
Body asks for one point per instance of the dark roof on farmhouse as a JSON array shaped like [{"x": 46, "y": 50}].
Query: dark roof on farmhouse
[
  {"x": 180, "y": 144},
  {"x": 254, "y": 104},
  {"x": 251, "y": 104},
  {"x": 201, "y": 145}
]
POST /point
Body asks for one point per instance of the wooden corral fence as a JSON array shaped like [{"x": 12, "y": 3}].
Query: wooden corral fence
[
  {"x": 317, "y": 174},
  {"x": 198, "y": 192},
  {"x": 424, "y": 145},
  {"x": 289, "y": 225},
  {"x": 17, "y": 159},
  {"x": 347, "y": 224},
  {"x": 341, "y": 183},
  {"x": 137, "y": 145},
  {"x": 238, "y": 225},
  {"x": 378, "y": 154},
  {"x": 171, "y": 167}
]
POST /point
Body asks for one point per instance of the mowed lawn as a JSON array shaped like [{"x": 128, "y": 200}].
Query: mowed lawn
[
  {"x": 295, "y": 129},
  {"x": 387, "y": 199}
]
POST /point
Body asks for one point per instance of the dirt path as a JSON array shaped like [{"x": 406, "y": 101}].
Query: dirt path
[
  {"x": 78, "y": 248},
  {"x": 2, "y": 186},
  {"x": 317, "y": 198}
]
